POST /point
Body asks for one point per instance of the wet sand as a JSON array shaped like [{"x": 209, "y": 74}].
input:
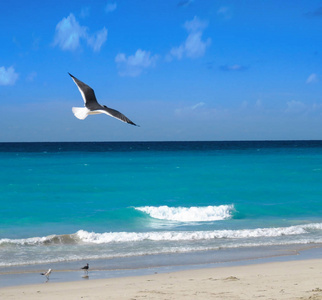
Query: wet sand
[{"x": 297, "y": 279}]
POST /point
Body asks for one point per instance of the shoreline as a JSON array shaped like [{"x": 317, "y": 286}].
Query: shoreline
[
  {"x": 293, "y": 279},
  {"x": 158, "y": 264}
]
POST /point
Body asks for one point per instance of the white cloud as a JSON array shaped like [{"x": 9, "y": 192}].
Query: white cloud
[
  {"x": 69, "y": 33},
  {"x": 313, "y": 78},
  {"x": 193, "y": 46},
  {"x": 110, "y": 7},
  {"x": 176, "y": 52},
  {"x": 134, "y": 65},
  {"x": 195, "y": 25},
  {"x": 8, "y": 76},
  {"x": 96, "y": 41}
]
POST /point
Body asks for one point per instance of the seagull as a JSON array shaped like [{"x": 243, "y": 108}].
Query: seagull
[
  {"x": 92, "y": 107},
  {"x": 46, "y": 274},
  {"x": 85, "y": 268}
]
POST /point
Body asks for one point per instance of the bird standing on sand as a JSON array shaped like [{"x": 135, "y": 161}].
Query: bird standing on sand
[
  {"x": 85, "y": 268},
  {"x": 46, "y": 274},
  {"x": 92, "y": 107}
]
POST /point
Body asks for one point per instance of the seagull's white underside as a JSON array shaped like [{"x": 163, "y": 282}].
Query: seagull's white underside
[{"x": 82, "y": 112}]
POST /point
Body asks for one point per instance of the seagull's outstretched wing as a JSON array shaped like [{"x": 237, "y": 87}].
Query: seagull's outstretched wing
[
  {"x": 92, "y": 107},
  {"x": 116, "y": 114},
  {"x": 87, "y": 93}
]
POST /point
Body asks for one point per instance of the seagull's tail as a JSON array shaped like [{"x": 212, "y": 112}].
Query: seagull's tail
[{"x": 80, "y": 112}]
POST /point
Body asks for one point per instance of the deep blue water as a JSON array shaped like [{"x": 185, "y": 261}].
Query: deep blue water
[{"x": 76, "y": 201}]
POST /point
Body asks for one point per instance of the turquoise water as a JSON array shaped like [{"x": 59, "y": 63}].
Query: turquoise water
[{"x": 64, "y": 202}]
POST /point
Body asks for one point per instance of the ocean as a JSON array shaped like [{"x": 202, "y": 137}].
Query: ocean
[{"x": 142, "y": 204}]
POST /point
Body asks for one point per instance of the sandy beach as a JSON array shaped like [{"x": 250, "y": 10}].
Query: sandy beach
[{"x": 278, "y": 280}]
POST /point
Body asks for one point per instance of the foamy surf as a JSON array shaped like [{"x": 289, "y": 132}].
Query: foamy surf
[
  {"x": 112, "y": 237},
  {"x": 83, "y": 236},
  {"x": 189, "y": 214},
  {"x": 84, "y": 245},
  {"x": 64, "y": 239}
]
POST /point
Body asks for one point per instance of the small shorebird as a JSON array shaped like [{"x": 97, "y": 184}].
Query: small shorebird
[
  {"x": 85, "y": 268},
  {"x": 46, "y": 274},
  {"x": 92, "y": 107}
]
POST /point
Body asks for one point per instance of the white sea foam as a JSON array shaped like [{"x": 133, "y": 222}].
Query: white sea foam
[
  {"x": 111, "y": 237},
  {"x": 50, "y": 239},
  {"x": 58, "y": 257},
  {"x": 189, "y": 214},
  {"x": 91, "y": 245},
  {"x": 28, "y": 241},
  {"x": 83, "y": 236}
]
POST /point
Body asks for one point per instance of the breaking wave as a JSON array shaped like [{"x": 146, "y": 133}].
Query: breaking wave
[
  {"x": 189, "y": 214},
  {"x": 83, "y": 236}
]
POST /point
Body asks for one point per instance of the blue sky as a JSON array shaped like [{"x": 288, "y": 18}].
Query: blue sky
[{"x": 181, "y": 69}]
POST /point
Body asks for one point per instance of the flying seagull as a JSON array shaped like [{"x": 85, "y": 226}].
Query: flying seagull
[
  {"x": 85, "y": 268},
  {"x": 46, "y": 274},
  {"x": 92, "y": 107}
]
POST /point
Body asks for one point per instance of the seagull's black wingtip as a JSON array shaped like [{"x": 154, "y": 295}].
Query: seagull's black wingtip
[{"x": 70, "y": 75}]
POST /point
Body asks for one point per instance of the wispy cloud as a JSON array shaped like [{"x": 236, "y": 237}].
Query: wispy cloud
[
  {"x": 313, "y": 78},
  {"x": 225, "y": 12},
  {"x": 85, "y": 12},
  {"x": 35, "y": 42},
  {"x": 194, "y": 46},
  {"x": 295, "y": 107},
  {"x": 8, "y": 76},
  {"x": 197, "y": 105},
  {"x": 134, "y": 65},
  {"x": 185, "y": 3},
  {"x": 97, "y": 40},
  {"x": 69, "y": 34},
  {"x": 315, "y": 13},
  {"x": 192, "y": 109},
  {"x": 31, "y": 76},
  {"x": 110, "y": 7},
  {"x": 233, "y": 68}
]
